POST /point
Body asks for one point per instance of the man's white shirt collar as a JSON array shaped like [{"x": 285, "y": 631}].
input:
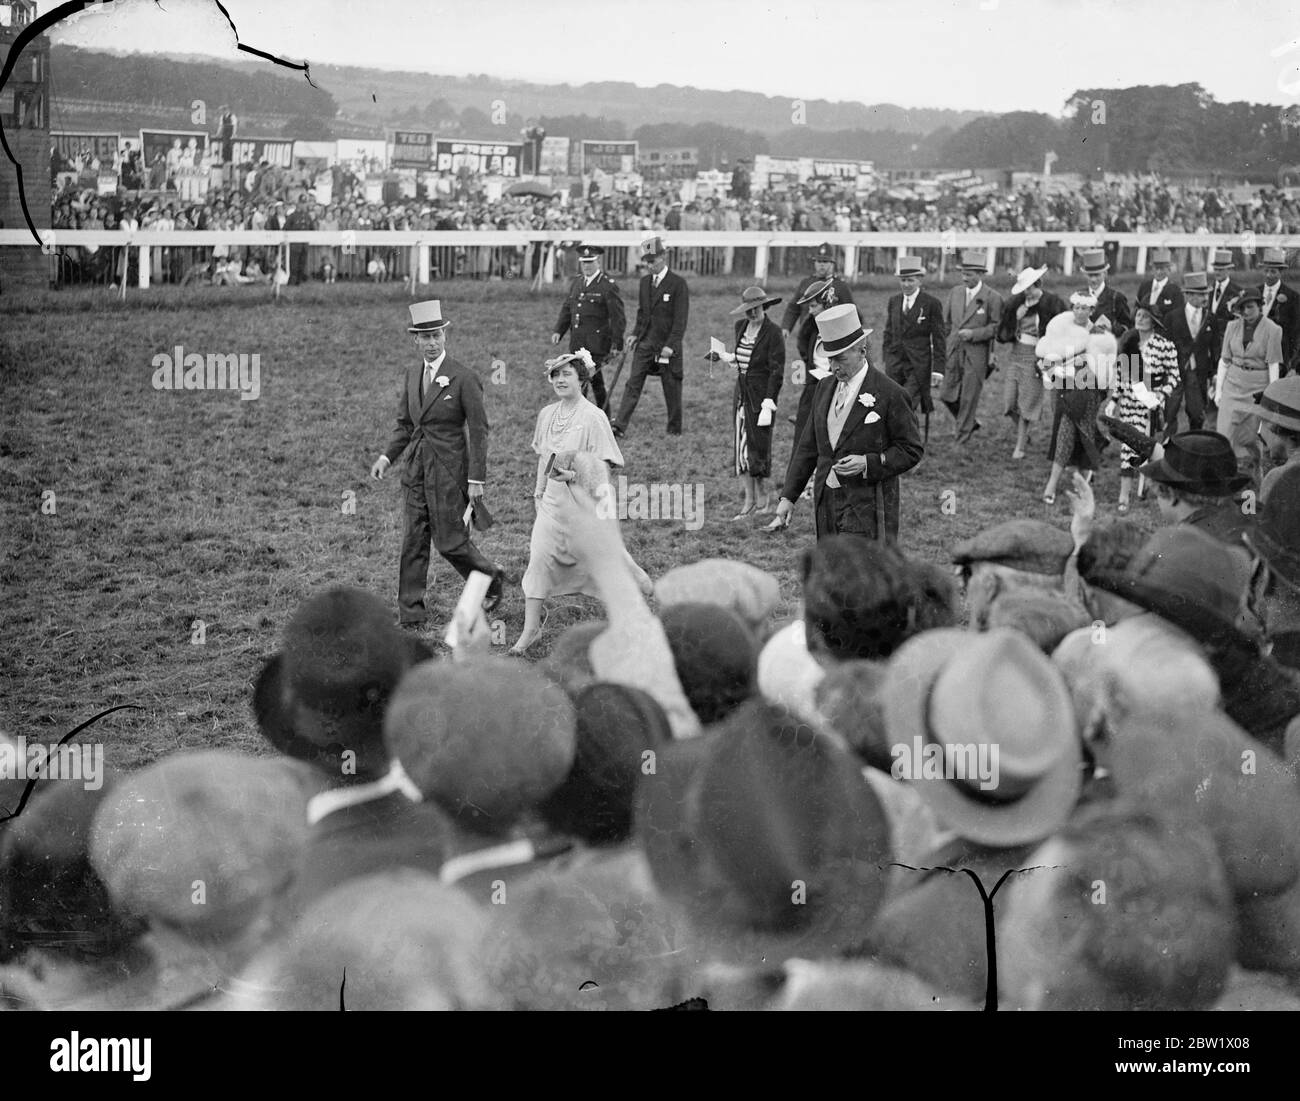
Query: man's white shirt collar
[
  {"x": 336, "y": 799},
  {"x": 437, "y": 363},
  {"x": 855, "y": 383}
]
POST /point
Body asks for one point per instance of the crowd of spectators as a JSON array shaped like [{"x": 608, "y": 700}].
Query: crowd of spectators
[{"x": 271, "y": 197}]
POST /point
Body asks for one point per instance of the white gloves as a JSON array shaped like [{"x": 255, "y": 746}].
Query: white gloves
[{"x": 765, "y": 413}]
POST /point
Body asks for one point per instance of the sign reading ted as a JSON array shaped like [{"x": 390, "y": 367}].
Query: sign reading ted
[{"x": 412, "y": 149}]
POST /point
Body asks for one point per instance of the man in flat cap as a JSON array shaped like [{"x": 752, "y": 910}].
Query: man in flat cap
[
  {"x": 973, "y": 314},
  {"x": 1281, "y": 305},
  {"x": 442, "y": 433},
  {"x": 663, "y": 307},
  {"x": 915, "y": 337},
  {"x": 823, "y": 271},
  {"x": 1014, "y": 556},
  {"x": 860, "y": 437},
  {"x": 593, "y": 317},
  {"x": 1160, "y": 294},
  {"x": 1111, "y": 304}
]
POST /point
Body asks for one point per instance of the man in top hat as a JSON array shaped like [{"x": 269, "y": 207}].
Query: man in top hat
[
  {"x": 862, "y": 434},
  {"x": 442, "y": 433},
  {"x": 1111, "y": 304},
  {"x": 1160, "y": 294},
  {"x": 974, "y": 312},
  {"x": 593, "y": 316},
  {"x": 1197, "y": 483},
  {"x": 1279, "y": 428},
  {"x": 823, "y": 270},
  {"x": 663, "y": 306},
  {"x": 1281, "y": 305},
  {"x": 915, "y": 336},
  {"x": 1222, "y": 295},
  {"x": 1191, "y": 330}
]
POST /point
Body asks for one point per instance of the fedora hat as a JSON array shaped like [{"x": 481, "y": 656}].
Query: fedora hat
[
  {"x": 1222, "y": 259},
  {"x": 324, "y": 693},
  {"x": 732, "y": 821},
  {"x": 1276, "y": 535},
  {"x": 840, "y": 328},
  {"x": 947, "y": 688},
  {"x": 1196, "y": 281},
  {"x": 974, "y": 259},
  {"x": 1279, "y": 403},
  {"x": 1195, "y": 581},
  {"x": 818, "y": 288},
  {"x": 754, "y": 296},
  {"x": 910, "y": 265},
  {"x": 1273, "y": 258},
  {"x": 1199, "y": 461},
  {"x": 1027, "y": 278},
  {"x": 426, "y": 317},
  {"x": 1094, "y": 261}
]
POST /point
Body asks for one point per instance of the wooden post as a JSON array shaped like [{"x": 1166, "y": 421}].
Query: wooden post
[
  {"x": 1142, "y": 260},
  {"x": 426, "y": 262},
  {"x": 1067, "y": 259},
  {"x": 145, "y": 258},
  {"x": 760, "y": 263},
  {"x": 850, "y": 263}
]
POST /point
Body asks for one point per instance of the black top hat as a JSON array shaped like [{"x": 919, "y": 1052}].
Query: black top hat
[{"x": 1199, "y": 462}]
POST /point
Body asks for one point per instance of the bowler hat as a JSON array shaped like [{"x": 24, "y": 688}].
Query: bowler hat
[
  {"x": 1279, "y": 403},
  {"x": 1193, "y": 580},
  {"x": 910, "y": 265},
  {"x": 1276, "y": 536},
  {"x": 840, "y": 328},
  {"x": 426, "y": 317},
  {"x": 754, "y": 296},
  {"x": 324, "y": 693},
  {"x": 957, "y": 692},
  {"x": 1199, "y": 461}
]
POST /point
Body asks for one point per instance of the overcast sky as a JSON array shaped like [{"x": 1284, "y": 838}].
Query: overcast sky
[{"x": 994, "y": 55}]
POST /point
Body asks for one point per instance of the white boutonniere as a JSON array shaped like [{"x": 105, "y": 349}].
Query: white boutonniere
[
  {"x": 871, "y": 418},
  {"x": 442, "y": 380},
  {"x": 921, "y": 320},
  {"x": 1280, "y": 298},
  {"x": 867, "y": 400}
]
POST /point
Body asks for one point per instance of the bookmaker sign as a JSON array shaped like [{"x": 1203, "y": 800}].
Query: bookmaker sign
[
  {"x": 482, "y": 158},
  {"x": 609, "y": 156},
  {"x": 412, "y": 149}
]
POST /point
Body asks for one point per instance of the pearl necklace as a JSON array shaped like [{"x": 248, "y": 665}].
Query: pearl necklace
[{"x": 559, "y": 423}]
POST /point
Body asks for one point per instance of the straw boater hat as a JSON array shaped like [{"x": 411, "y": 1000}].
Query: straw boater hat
[
  {"x": 426, "y": 317},
  {"x": 910, "y": 265},
  {"x": 1027, "y": 278},
  {"x": 752, "y": 297},
  {"x": 949, "y": 688},
  {"x": 841, "y": 329}
]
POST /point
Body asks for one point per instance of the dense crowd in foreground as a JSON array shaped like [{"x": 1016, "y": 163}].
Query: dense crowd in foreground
[
  {"x": 688, "y": 799},
  {"x": 1132, "y": 206}
]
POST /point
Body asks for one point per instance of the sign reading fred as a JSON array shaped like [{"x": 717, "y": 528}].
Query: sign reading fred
[{"x": 482, "y": 158}]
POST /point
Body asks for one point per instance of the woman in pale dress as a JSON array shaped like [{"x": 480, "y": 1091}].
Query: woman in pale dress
[{"x": 577, "y": 435}]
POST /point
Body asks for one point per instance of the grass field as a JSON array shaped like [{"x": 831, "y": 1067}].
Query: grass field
[{"x": 175, "y": 508}]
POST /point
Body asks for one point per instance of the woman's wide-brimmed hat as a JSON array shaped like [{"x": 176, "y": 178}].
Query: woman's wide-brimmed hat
[
  {"x": 818, "y": 289},
  {"x": 1027, "y": 278},
  {"x": 752, "y": 297}
]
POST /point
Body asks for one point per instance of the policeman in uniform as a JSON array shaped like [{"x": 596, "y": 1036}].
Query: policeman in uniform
[
  {"x": 797, "y": 312},
  {"x": 593, "y": 316}
]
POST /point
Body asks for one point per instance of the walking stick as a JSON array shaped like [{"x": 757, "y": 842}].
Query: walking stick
[{"x": 621, "y": 358}]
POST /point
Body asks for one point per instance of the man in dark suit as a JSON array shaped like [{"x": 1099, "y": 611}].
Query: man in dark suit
[
  {"x": 861, "y": 436},
  {"x": 663, "y": 306},
  {"x": 593, "y": 316},
  {"x": 1111, "y": 304},
  {"x": 442, "y": 433},
  {"x": 298, "y": 218},
  {"x": 915, "y": 337},
  {"x": 1160, "y": 294},
  {"x": 974, "y": 313},
  {"x": 1222, "y": 295},
  {"x": 823, "y": 271},
  {"x": 1190, "y": 330},
  {"x": 1281, "y": 305}
]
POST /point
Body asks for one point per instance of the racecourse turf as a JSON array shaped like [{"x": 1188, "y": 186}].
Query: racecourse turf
[{"x": 156, "y": 542}]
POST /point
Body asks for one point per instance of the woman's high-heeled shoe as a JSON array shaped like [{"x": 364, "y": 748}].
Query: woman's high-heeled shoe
[{"x": 743, "y": 513}]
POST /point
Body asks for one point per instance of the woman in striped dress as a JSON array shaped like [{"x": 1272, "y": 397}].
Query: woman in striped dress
[
  {"x": 1147, "y": 374},
  {"x": 759, "y": 360}
]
